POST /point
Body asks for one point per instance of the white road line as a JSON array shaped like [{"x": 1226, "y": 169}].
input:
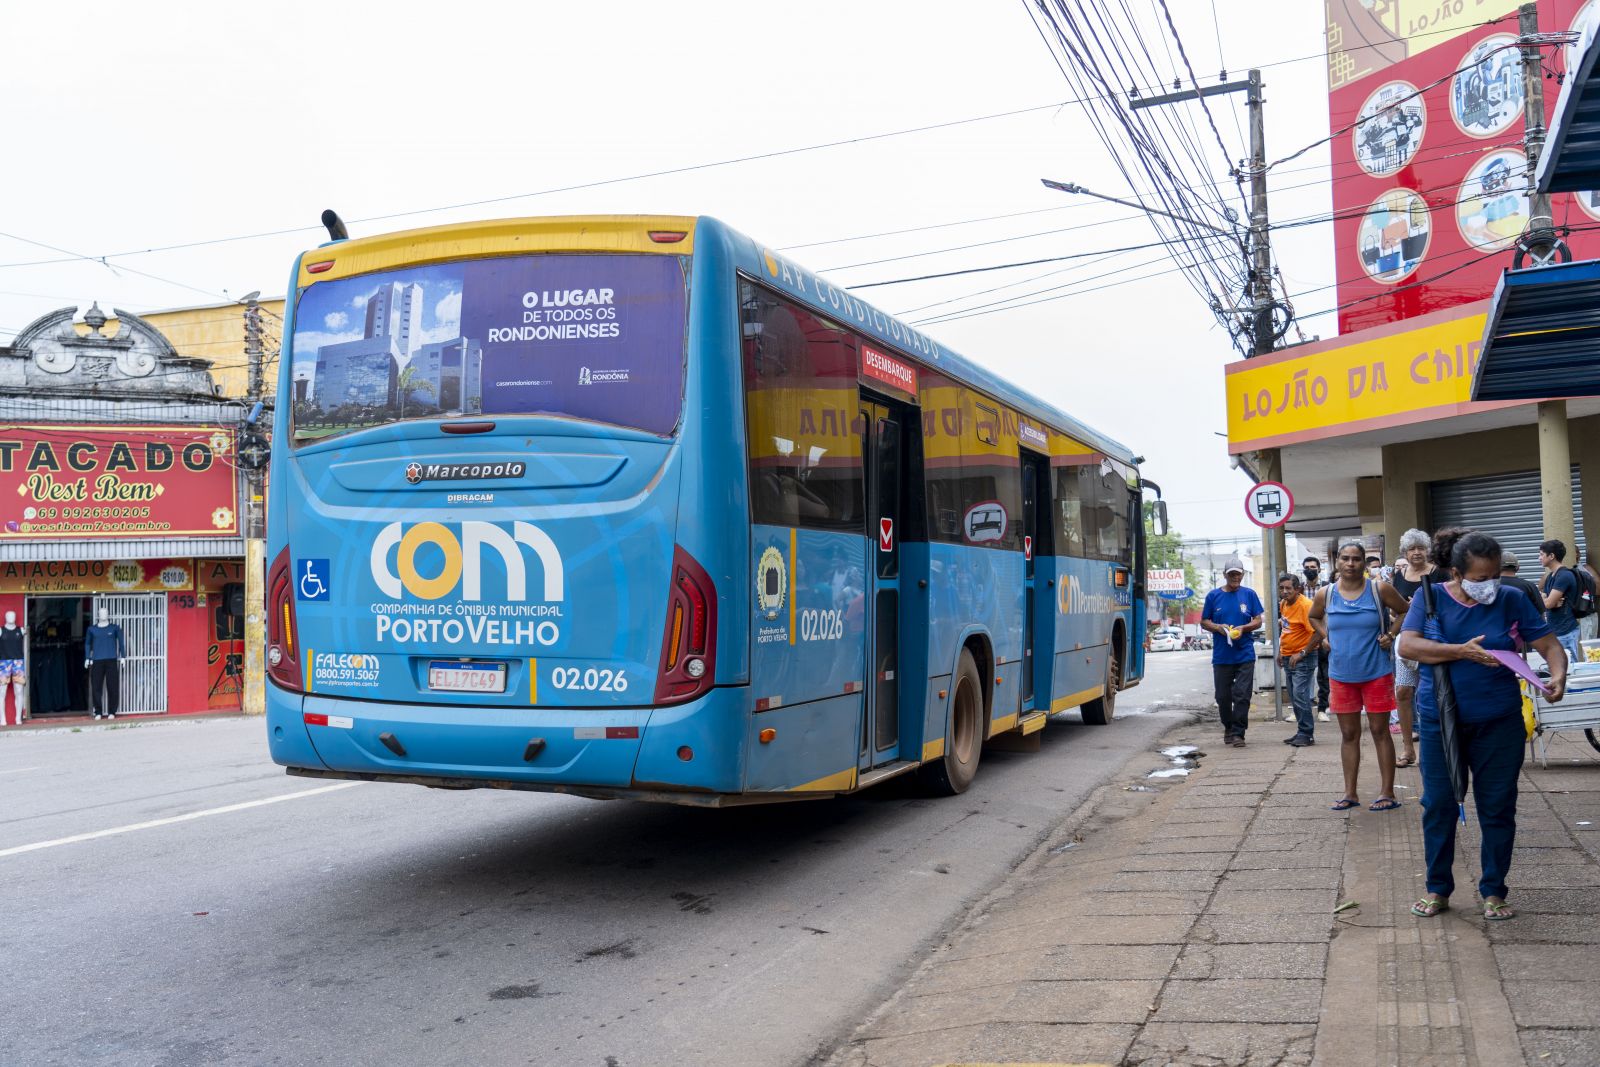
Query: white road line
[
  {"x": 17, "y": 770},
  {"x": 153, "y": 823}
]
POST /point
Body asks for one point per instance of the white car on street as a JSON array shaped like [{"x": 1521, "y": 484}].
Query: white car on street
[{"x": 1166, "y": 640}]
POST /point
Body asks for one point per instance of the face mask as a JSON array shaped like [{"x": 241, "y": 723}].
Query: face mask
[
  {"x": 1312, "y": 573},
  {"x": 1483, "y": 592}
]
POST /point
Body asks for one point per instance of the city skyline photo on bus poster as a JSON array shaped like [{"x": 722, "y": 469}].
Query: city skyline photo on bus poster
[{"x": 590, "y": 337}]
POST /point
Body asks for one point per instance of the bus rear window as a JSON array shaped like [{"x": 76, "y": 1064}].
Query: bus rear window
[{"x": 594, "y": 337}]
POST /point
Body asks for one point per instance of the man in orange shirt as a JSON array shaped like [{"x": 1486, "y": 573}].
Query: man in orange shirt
[{"x": 1296, "y": 640}]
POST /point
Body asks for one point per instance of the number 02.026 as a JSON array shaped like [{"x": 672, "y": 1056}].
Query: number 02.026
[
  {"x": 592, "y": 679},
  {"x": 821, "y": 625}
]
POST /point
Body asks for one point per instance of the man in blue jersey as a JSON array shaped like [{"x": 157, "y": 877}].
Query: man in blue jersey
[{"x": 1230, "y": 615}]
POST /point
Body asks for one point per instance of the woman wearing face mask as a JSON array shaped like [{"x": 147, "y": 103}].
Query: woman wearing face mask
[
  {"x": 1416, "y": 567},
  {"x": 1475, "y": 615},
  {"x": 1353, "y": 611}
]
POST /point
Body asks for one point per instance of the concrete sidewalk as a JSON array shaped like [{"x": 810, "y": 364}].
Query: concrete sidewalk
[{"x": 1205, "y": 921}]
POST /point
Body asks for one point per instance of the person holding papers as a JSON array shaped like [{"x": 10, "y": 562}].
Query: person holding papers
[{"x": 1459, "y": 632}]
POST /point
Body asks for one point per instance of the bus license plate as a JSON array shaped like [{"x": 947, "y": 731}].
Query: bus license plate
[{"x": 467, "y": 677}]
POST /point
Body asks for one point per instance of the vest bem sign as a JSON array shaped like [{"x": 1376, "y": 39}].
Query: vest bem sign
[{"x": 86, "y": 482}]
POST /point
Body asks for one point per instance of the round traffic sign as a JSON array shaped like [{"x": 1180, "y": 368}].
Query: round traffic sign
[{"x": 1269, "y": 504}]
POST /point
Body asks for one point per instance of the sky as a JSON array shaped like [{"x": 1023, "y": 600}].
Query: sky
[{"x": 130, "y": 132}]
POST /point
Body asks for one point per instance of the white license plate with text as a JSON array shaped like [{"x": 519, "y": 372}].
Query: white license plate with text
[{"x": 467, "y": 677}]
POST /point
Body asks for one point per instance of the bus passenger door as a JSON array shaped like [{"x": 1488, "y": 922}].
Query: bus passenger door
[
  {"x": 883, "y": 455},
  {"x": 1039, "y": 615}
]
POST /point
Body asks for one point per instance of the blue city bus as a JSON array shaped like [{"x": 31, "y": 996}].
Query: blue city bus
[{"x": 634, "y": 506}]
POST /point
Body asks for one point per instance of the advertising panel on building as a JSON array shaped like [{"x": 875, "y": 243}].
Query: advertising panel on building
[
  {"x": 119, "y": 499},
  {"x": 1430, "y": 179}
]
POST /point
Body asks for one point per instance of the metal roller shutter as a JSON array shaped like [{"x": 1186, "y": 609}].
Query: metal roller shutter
[{"x": 1504, "y": 506}]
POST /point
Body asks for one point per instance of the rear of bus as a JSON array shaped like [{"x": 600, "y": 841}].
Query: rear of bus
[{"x": 484, "y": 439}]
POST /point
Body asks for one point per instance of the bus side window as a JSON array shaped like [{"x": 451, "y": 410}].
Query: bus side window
[
  {"x": 1069, "y": 512},
  {"x": 802, "y": 420}
]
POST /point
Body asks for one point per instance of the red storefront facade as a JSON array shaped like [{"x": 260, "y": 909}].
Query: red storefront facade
[{"x": 119, "y": 492}]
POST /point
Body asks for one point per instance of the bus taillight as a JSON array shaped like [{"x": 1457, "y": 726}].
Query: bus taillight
[
  {"x": 689, "y": 645},
  {"x": 283, "y": 647}
]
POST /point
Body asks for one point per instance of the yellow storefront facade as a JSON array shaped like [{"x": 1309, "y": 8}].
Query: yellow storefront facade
[{"x": 1376, "y": 434}]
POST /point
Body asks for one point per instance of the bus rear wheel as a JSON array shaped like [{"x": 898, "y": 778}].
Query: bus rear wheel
[
  {"x": 954, "y": 771},
  {"x": 1103, "y": 708}
]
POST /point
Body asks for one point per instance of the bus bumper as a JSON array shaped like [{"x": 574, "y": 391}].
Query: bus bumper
[{"x": 697, "y": 746}]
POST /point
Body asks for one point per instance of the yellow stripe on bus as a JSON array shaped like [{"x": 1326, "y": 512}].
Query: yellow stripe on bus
[
  {"x": 794, "y": 536},
  {"x": 1002, "y": 724},
  {"x": 308, "y": 670},
  {"x": 833, "y": 783},
  {"x": 933, "y": 749},
  {"x": 1072, "y": 700},
  {"x": 498, "y": 237},
  {"x": 533, "y": 681}
]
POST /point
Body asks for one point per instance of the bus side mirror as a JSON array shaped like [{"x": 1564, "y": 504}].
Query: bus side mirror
[{"x": 1158, "y": 519}]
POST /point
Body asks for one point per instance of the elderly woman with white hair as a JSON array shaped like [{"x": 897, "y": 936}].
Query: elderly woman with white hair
[{"x": 1415, "y": 568}]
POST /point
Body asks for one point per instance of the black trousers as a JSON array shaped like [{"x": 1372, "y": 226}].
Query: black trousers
[
  {"x": 103, "y": 673},
  {"x": 1322, "y": 679},
  {"x": 1233, "y": 684}
]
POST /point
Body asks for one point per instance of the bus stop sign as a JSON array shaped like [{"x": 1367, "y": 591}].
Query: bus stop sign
[{"x": 1269, "y": 504}]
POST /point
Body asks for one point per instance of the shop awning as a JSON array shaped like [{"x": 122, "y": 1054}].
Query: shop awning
[
  {"x": 1570, "y": 162},
  {"x": 1542, "y": 338}
]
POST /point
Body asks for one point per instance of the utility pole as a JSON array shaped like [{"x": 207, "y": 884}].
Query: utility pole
[
  {"x": 1541, "y": 244},
  {"x": 1260, "y": 245},
  {"x": 255, "y": 549},
  {"x": 1541, "y": 247}
]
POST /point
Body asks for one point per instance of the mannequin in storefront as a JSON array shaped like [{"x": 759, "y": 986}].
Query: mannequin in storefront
[
  {"x": 103, "y": 649},
  {"x": 12, "y": 675}
]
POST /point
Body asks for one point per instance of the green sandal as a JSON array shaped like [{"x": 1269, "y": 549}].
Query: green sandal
[
  {"x": 1428, "y": 907},
  {"x": 1498, "y": 912}
]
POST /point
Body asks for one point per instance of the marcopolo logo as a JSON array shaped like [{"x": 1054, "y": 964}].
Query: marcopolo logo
[
  {"x": 459, "y": 559},
  {"x": 463, "y": 472}
]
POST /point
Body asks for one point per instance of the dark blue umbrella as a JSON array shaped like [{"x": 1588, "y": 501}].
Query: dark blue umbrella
[{"x": 1444, "y": 702}]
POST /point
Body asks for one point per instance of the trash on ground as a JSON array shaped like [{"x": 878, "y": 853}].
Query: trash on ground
[{"x": 1346, "y": 906}]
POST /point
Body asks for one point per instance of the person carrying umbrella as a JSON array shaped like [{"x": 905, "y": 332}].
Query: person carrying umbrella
[{"x": 1469, "y": 709}]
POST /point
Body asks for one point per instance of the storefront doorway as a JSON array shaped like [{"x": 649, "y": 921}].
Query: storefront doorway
[
  {"x": 143, "y": 618},
  {"x": 58, "y": 684}
]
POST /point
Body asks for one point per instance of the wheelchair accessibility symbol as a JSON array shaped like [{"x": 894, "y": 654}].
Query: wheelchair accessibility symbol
[{"x": 313, "y": 579}]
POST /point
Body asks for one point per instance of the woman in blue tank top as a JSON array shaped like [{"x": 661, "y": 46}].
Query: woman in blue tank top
[{"x": 1360, "y": 618}]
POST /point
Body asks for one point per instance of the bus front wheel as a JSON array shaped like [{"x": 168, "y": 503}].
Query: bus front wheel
[
  {"x": 954, "y": 771},
  {"x": 1103, "y": 708}
]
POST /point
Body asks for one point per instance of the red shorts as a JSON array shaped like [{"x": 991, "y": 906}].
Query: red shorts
[{"x": 1349, "y": 698}]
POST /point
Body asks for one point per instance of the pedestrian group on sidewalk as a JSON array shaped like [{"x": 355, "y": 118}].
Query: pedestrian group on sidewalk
[{"x": 1430, "y": 641}]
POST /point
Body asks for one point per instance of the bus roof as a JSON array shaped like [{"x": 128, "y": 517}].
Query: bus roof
[
  {"x": 676, "y": 235},
  {"x": 761, "y": 262}
]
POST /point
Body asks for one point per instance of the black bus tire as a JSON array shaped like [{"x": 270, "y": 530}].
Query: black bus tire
[
  {"x": 1103, "y": 708},
  {"x": 954, "y": 771}
]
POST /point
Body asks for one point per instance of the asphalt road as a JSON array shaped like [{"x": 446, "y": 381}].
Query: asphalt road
[{"x": 384, "y": 924}]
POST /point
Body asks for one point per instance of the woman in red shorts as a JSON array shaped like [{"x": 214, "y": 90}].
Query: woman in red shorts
[{"x": 1360, "y": 618}]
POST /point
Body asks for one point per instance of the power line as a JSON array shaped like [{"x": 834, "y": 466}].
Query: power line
[
  {"x": 1008, "y": 266},
  {"x": 1148, "y": 85}
]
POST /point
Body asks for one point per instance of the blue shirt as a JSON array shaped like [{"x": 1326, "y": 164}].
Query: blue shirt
[
  {"x": 104, "y": 642},
  {"x": 1482, "y": 692},
  {"x": 1354, "y": 655},
  {"x": 1562, "y": 621},
  {"x": 1232, "y": 609}
]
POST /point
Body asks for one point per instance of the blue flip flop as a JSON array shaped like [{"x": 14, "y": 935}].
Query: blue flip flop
[
  {"x": 1345, "y": 805},
  {"x": 1384, "y": 804}
]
